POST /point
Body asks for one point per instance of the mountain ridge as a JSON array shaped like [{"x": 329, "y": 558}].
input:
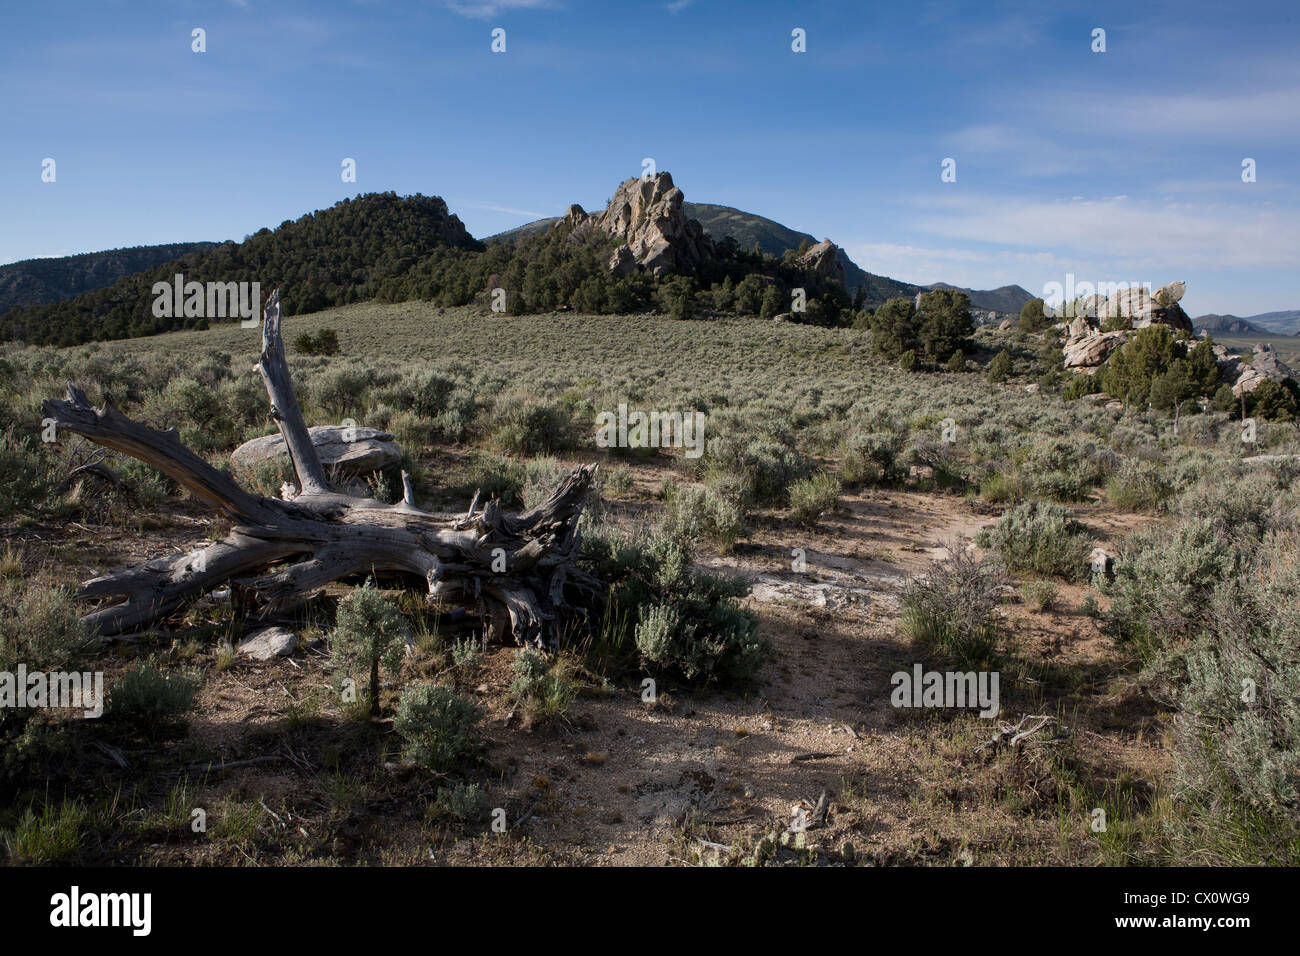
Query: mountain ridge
[
  {"x": 775, "y": 238},
  {"x": 1286, "y": 322},
  {"x": 56, "y": 278},
  {"x": 1228, "y": 324}
]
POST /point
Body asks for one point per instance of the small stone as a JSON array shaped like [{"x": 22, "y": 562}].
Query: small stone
[{"x": 269, "y": 642}]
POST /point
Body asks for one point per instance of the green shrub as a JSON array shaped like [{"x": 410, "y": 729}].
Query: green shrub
[
  {"x": 764, "y": 467},
  {"x": 1000, "y": 368},
  {"x": 437, "y": 726},
  {"x": 1038, "y": 595},
  {"x": 1237, "y": 730},
  {"x": 342, "y": 390},
  {"x": 950, "y": 610},
  {"x": 267, "y": 478},
  {"x": 1138, "y": 486},
  {"x": 701, "y": 512},
  {"x": 1041, "y": 538},
  {"x": 998, "y": 488},
  {"x": 1207, "y": 604},
  {"x": 1060, "y": 469},
  {"x": 681, "y": 622},
  {"x": 541, "y": 476},
  {"x": 1081, "y": 385},
  {"x": 370, "y": 630},
  {"x": 24, "y": 478},
  {"x": 465, "y": 802},
  {"x": 1166, "y": 575},
  {"x": 41, "y": 628},
  {"x": 946, "y": 466},
  {"x": 148, "y": 695},
  {"x": 531, "y": 428},
  {"x": 870, "y": 458},
  {"x": 445, "y": 406},
  {"x": 542, "y": 689},
  {"x": 704, "y": 636},
  {"x": 616, "y": 482},
  {"x": 496, "y": 476},
  {"x": 810, "y": 498}
]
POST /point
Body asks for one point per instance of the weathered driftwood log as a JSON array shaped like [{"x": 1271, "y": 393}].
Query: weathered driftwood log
[{"x": 519, "y": 570}]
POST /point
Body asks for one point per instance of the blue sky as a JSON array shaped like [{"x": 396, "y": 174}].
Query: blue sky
[{"x": 1115, "y": 166}]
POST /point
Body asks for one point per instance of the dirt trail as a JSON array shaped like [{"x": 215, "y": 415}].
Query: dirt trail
[
  {"x": 642, "y": 783},
  {"x": 821, "y": 719}
]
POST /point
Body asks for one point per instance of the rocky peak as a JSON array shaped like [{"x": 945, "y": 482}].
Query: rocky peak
[
  {"x": 1087, "y": 348},
  {"x": 646, "y": 213},
  {"x": 1140, "y": 307},
  {"x": 823, "y": 261}
]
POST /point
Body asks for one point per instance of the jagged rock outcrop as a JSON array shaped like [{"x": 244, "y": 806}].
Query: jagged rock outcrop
[
  {"x": 574, "y": 215},
  {"x": 1139, "y": 307},
  {"x": 622, "y": 262},
  {"x": 647, "y": 215},
  {"x": 1089, "y": 350},
  {"x": 822, "y": 261},
  {"x": 1264, "y": 366}
]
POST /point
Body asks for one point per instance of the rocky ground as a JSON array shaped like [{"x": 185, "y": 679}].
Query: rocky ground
[{"x": 689, "y": 778}]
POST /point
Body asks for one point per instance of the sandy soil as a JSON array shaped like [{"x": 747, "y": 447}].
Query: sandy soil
[{"x": 674, "y": 781}]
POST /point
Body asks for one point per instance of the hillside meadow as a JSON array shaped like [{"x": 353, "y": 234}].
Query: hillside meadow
[{"x": 848, "y": 522}]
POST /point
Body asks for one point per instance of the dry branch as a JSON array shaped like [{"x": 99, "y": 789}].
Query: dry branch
[
  {"x": 1014, "y": 736},
  {"x": 519, "y": 570}
]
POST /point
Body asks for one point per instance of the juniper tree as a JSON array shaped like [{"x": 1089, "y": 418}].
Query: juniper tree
[
  {"x": 370, "y": 630},
  {"x": 893, "y": 328},
  {"x": 1033, "y": 318},
  {"x": 1000, "y": 368},
  {"x": 945, "y": 325}
]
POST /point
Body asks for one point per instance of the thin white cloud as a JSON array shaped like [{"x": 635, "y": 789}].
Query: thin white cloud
[
  {"x": 970, "y": 268},
  {"x": 483, "y": 9},
  {"x": 1172, "y": 234},
  {"x": 491, "y": 207},
  {"x": 1248, "y": 117}
]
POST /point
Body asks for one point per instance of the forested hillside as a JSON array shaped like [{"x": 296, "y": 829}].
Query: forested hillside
[
  {"x": 42, "y": 281},
  {"x": 548, "y": 270},
  {"x": 330, "y": 257}
]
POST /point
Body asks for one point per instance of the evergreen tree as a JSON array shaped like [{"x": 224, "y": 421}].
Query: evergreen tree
[
  {"x": 1033, "y": 317},
  {"x": 1133, "y": 368},
  {"x": 945, "y": 324},
  {"x": 893, "y": 328},
  {"x": 1000, "y": 368}
]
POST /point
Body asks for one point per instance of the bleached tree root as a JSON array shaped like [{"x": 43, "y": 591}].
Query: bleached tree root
[{"x": 519, "y": 570}]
